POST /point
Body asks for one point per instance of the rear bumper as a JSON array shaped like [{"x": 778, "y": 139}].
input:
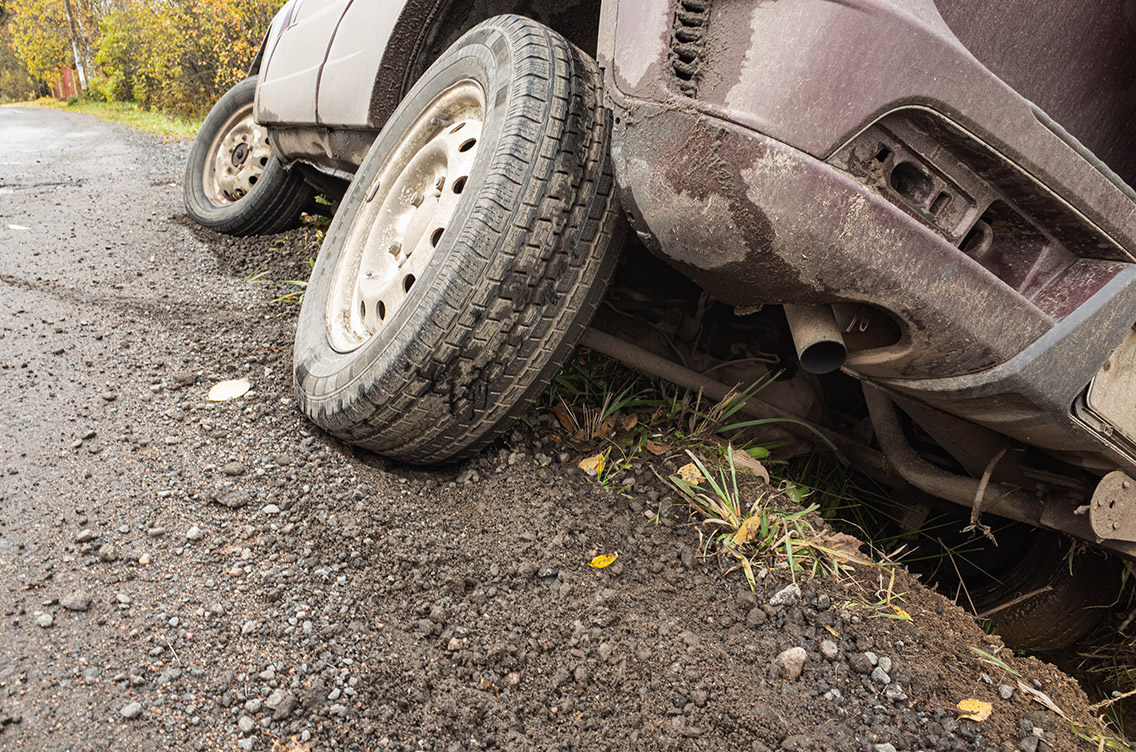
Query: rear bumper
[{"x": 776, "y": 160}]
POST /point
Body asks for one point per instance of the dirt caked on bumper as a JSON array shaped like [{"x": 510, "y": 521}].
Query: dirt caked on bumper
[{"x": 856, "y": 154}]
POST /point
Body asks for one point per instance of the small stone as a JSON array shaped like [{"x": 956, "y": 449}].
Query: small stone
[
  {"x": 829, "y": 650},
  {"x": 233, "y": 469},
  {"x": 885, "y": 664},
  {"x": 270, "y": 509},
  {"x": 879, "y": 676},
  {"x": 883, "y": 748},
  {"x": 76, "y": 600},
  {"x": 860, "y": 663},
  {"x": 873, "y": 658},
  {"x": 110, "y": 397},
  {"x": 246, "y": 725},
  {"x": 756, "y": 617},
  {"x": 108, "y": 552},
  {"x": 1005, "y": 691},
  {"x": 895, "y": 693},
  {"x": 144, "y": 559},
  {"x": 131, "y": 710},
  {"x": 246, "y": 743},
  {"x": 285, "y": 707},
  {"x": 193, "y": 534},
  {"x": 786, "y": 596},
  {"x": 122, "y": 598},
  {"x": 86, "y": 534},
  {"x": 43, "y": 620},
  {"x": 790, "y": 662},
  {"x": 1029, "y": 744}
]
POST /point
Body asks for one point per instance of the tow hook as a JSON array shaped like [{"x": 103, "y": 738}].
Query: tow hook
[{"x": 1112, "y": 511}]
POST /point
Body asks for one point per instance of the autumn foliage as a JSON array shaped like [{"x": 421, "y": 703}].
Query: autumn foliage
[{"x": 174, "y": 55}]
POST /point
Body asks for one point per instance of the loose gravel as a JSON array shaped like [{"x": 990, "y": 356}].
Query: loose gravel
[{"x": 183, "y": 574}]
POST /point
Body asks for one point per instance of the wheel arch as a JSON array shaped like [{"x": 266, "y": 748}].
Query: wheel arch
[{"x": 426, "y": 28}]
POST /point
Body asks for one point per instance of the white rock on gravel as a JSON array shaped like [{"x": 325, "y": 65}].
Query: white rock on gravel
[
  {"x": 43, "y": 620},
  {"x": 194, "y": 533},
  {"x": 786, "y": 596},
  {"x": 131, "y": 710},
  {"x": 791, "y": 662}
]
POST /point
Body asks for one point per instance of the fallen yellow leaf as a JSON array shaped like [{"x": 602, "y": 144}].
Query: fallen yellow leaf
[
  {"x": 831, "y": 631},
  {"x": 748, "y": 530},
  {"x": 656, "y": 448},
  {"x": 602, "y": 560},
  {"x": 691, "y": 474},
  {"x": 592, "y": 465},
  {"x": 902, "y": 614},
  {"x": 975, "y": 710}
]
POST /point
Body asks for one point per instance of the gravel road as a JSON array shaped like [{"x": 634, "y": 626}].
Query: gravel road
[{"x": 184, "y": 574}]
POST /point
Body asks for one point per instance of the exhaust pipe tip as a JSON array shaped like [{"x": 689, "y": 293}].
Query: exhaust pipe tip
[
  {"x": 819, "y": 341},
  {"x": 823, "y": 357}
]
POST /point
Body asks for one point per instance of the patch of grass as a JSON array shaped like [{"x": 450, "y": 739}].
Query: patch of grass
[
  {"x": 747, "y": 523},
  {"x": 129, "y": 114},
  {"x": 259, "y": 276}
]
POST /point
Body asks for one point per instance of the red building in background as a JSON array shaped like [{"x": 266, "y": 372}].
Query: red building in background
[{"x": 67, "y": 86}]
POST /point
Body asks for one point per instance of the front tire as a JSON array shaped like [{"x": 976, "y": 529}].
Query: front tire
[
  {"x": 471, "y": 250},
  {"x": 233, "y": 182}
]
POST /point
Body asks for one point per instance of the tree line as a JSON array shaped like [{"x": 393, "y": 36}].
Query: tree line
[{"x": 175, "y": 55}]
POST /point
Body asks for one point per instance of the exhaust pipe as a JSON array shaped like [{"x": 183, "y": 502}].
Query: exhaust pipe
[{"x": 820, "y": 345}]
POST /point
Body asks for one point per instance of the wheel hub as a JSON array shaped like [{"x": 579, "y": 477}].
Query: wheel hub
[
  {"x": 236, "y": 158},
  {"x": 406, "y": 212}
]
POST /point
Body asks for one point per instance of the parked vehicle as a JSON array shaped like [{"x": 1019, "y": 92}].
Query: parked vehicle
[{"x": 919, "y": 213}]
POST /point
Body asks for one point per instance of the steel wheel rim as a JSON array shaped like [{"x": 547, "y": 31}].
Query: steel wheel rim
[
  {"x": 406, "y": 211},
  {"x": 236, "y": 159}
]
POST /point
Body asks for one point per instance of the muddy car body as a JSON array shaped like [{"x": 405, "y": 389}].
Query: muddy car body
[{"x": 933, "y": 197}]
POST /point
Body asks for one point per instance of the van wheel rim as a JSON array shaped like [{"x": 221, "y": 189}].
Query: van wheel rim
[
  {"x": 405, "y": 216},
  {"x": 237, "y": 158}
]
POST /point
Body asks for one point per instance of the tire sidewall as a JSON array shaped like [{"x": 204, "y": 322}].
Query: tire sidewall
[{"x": 239, "y": 215}]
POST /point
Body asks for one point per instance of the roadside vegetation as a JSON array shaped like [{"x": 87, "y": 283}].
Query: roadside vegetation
[
  {"x": 131, "y": 114},
  {"x": 177, "y": 58},
  {"x": 756, "y": 502}
]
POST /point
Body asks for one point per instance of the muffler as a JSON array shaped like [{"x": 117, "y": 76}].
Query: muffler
[{"x": 819, "y": 342}]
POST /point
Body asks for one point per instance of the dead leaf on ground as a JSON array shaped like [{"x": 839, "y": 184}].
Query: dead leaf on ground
[
  {"x": 975, "y": 710},
  {"x": 657, "y": 448},
  {"x": 691, "y": 474},
  {"x": 627, "y": 422},
  {"x": 745, "y": 462},
  {"x": 748, "y": 530},
  {"x": 592, "y": 465},
  {"x": 290, "y": 745},
  {"x": 602, "y": 560},
  {"x": 223, "y": 391},
  {"x": 840, "y": 544},
  {"x": 902, "y": 614},
  {"x": 564, "y": 419}
]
